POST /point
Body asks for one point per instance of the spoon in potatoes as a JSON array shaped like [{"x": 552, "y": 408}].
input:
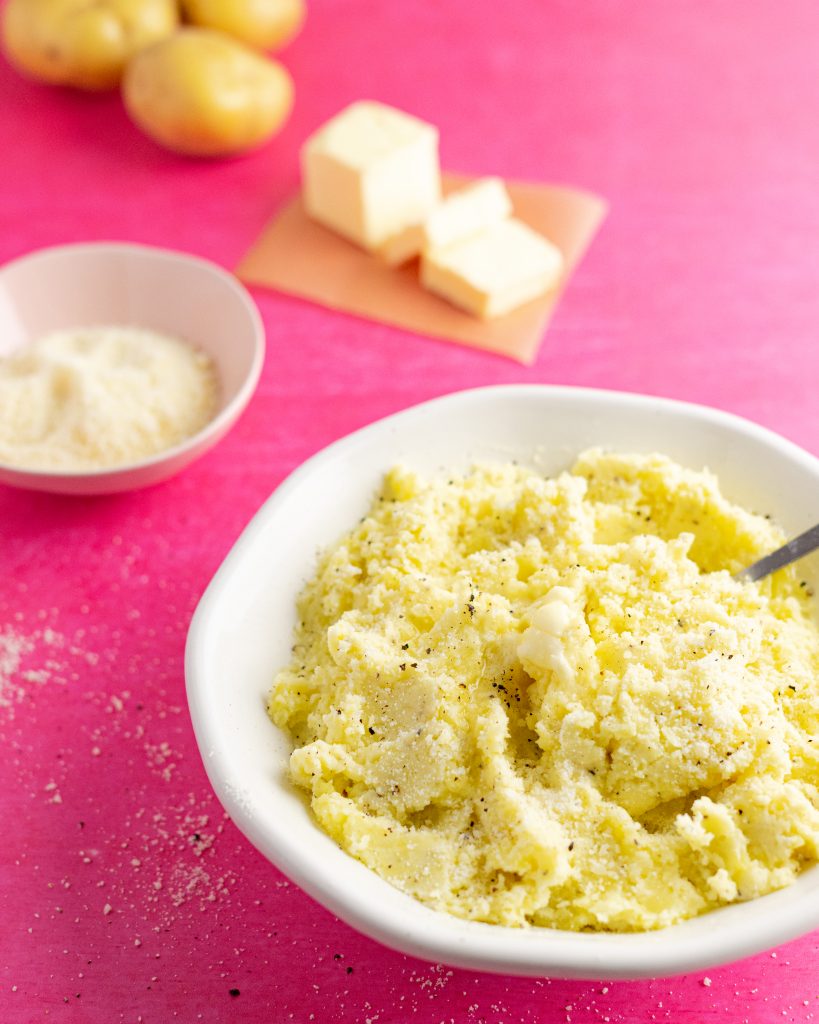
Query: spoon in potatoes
[{"x": 790, "y": 552}]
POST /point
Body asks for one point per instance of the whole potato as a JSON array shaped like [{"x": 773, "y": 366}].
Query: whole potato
[
  {"x": 74, "y": 42},
  {"x": 266, "y": 24},
  {"x": 205, "y": 94}
]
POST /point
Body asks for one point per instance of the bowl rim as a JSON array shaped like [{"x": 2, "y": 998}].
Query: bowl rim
[
  {"x": 215, "y": 426},
  {"x": 431, "y": 934}
]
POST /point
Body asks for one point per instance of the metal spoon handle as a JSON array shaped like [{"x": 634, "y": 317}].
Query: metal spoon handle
[{"x": 796, "y": 548}]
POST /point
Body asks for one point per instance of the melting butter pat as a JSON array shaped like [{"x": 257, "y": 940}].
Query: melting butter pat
[
  {"x": 543, "y": 643},
  {"x": 370, "y": 172},
  {"x": 463, "y": 213},
  {"x": 494, "y": 271}
]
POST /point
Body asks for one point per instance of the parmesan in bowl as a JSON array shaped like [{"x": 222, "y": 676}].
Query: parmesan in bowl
[
  {"x": 97, "y": 397},
  {"x": 119, "y": 365},
  {"x": 243, "y": 632}
]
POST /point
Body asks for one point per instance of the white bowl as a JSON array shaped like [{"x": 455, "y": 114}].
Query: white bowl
[
  {"x": 112, "y": 284},
  {"x": 241, "y": 633}
]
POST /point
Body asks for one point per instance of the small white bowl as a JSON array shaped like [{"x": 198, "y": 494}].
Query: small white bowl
[
  {"x": 241, "y": 634},
  {"x": 112, "y": 284}
]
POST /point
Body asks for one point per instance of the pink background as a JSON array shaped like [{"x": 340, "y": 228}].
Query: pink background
[{"x": 698, "y": 121}]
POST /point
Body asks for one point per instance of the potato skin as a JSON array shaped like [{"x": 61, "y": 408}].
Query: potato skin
[
  {"x": 264, "y": 24},
  {"x": 202, "y": 93},
  {"x": 73, "y": 42}
]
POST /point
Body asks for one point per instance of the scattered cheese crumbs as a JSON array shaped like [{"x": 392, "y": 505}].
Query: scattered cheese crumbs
[
  {"x": 706, "y": 982},
  {"x": 12, "y": 650},
  {"x": 107, "y": 909},
  {"x": 90, "y": 398}
]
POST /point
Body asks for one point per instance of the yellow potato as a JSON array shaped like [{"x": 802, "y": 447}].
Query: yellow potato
[
  {"x": 266, "y": 24},
  {"x": 74, "y": 42},
  {"x": 205, "y": 94}
]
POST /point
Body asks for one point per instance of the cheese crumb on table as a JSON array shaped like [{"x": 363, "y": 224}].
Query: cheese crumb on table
[
  {"x": 546, "y": 701},
  {"x": 98, "y": 397},
  {"x": 370, "y": 172}
]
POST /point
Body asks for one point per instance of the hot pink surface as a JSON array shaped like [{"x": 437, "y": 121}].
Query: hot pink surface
[{"x": 125, "y": 894}]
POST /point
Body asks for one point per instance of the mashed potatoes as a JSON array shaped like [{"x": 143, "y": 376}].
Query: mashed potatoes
[{"x": 546, "y": 701}]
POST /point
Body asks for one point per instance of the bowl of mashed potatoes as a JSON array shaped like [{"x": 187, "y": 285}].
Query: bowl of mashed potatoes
[{"x": 479, "y": 679}]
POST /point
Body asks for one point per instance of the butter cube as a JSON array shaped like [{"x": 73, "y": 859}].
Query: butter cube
[
  {"x": 466, "y": 212},
  {"x": 370, "y": 172},
  {"x": 403, "y": 246},
  {"x": 495, "y": 271},
  {"x": 462, "y": 213}
]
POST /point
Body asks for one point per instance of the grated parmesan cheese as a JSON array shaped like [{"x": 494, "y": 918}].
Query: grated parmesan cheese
[{"x": 98, "y": 397}]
